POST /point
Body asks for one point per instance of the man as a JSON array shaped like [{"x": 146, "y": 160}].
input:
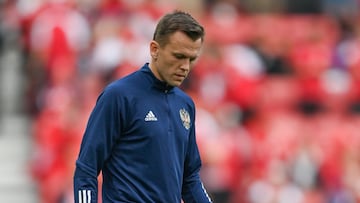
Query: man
[{"x": 141, "y": 133}]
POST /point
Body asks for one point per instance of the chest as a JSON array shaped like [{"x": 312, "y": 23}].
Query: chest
[{"x": 158, "y": 117}]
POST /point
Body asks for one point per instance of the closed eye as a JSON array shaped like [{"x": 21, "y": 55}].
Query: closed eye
[{"x": 182, "y": 56}]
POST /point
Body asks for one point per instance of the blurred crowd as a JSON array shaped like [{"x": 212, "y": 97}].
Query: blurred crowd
[{"x": 277, "y": 90}]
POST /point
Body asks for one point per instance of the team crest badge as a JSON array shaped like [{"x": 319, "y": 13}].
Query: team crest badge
[{"x": 185, "y": 118}]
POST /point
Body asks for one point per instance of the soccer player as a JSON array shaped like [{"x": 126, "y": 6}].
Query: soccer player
[{"x": 141, "y": 133}]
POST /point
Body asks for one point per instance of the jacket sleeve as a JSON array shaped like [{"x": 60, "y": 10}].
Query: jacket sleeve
[
  {"x": 100, "y": 135},
  {"x": 193, "y": 190}
]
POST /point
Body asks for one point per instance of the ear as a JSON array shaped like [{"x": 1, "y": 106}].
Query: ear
[{"x": 154, "y": 49}]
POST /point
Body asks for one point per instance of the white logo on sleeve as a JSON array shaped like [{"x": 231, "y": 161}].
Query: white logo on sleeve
[
  {"x": 150, "y": 116},
  {"x": 84, "y": 196}
]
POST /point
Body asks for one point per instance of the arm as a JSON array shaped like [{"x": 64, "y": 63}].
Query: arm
[
  {"x": 99, "y": 137},
  {"x": 193, "y": 190}
]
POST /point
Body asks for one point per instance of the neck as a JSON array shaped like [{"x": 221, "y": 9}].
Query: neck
[{"x": 154, "y": 71}]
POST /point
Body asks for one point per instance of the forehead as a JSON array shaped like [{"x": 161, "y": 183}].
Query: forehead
[{"x": 180, "y": 42}]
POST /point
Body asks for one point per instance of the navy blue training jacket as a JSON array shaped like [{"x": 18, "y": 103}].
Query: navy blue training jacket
[{"x": 141, "y": 136}]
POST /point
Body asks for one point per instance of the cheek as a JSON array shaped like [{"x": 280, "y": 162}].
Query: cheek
[
  {"x": 168, "y": 63},
  {"x": 171, "y": 64},
  {"x": 165, "y": 67}
]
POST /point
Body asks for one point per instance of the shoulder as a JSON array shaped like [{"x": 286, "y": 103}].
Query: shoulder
[
  {"x": 125, "y": 84},
  {"x": 118, "y": 89}
]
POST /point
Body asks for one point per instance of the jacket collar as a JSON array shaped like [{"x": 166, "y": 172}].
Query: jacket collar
[{"x": 156, "y": 83}]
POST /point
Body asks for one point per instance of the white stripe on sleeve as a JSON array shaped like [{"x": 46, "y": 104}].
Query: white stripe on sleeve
[
  {"x": 89, "y": 196},
  {"x": 80, "y": 199},
  {"x": 84, "y": 196},
  {"x": 207, "y": 195}
]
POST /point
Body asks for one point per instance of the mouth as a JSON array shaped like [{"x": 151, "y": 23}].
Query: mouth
[{"x": 180, "y": 76}]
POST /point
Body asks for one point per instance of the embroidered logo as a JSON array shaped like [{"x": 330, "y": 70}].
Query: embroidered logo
[
  {"x": 185, "y": 118},
  {"x": 150, "y": 116}
]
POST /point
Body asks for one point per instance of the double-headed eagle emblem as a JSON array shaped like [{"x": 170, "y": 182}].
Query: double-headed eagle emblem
[{"x": 185, "y": 118}]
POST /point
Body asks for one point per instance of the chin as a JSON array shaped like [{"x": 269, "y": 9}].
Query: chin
[{"x": 175, "y": 84}]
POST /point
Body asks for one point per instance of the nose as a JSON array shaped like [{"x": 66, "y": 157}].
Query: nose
[{"x": 185, "y": 66}]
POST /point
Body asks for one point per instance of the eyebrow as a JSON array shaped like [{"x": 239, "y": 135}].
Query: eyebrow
[{"x": 181, "y": 55}]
